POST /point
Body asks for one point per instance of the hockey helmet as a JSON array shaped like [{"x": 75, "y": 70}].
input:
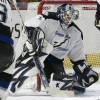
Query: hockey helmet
[{"x": 66, "y": 13}]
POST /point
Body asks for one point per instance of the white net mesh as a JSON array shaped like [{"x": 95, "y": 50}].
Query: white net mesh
[{"x": 85, "y": 23}]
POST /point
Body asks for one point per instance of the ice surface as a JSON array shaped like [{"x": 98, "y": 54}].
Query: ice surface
[{"x": 92, "y": 93}]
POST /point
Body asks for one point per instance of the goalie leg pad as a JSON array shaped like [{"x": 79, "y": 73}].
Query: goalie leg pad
[
  {"x": 24, "y": 68},
  {"x": 77, "y": 88},
  {"x": 62, "y": 82},
  {"x": 66, "y": 82}
]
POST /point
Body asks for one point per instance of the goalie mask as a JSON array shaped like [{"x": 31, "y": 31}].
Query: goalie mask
[{"x": 66, "y": 13}]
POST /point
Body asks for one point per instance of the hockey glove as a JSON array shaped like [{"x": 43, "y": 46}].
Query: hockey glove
[
  {"x": 85, "y": 75},
  {"x": 30, "y": 31},
  {"x": 38, "y": 41}
]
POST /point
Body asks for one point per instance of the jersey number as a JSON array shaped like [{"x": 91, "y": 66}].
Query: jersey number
[{"x": 3, "y": 13}]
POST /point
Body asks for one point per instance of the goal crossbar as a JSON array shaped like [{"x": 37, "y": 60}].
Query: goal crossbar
[{"x": 80, "y": 2}]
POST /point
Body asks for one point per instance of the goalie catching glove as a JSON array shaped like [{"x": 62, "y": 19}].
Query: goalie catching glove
[
  {"x": 36, "y": 39},
  {"x": 85, "y": 75},
  {"x": 30, "y": 31}
]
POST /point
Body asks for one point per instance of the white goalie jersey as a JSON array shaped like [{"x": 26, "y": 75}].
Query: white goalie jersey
[
  {"x": 35, "y": 21},
  {"x": 65, "y": 42}
]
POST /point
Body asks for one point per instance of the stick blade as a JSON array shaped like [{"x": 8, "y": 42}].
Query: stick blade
[{"x": 60, "y": 93}]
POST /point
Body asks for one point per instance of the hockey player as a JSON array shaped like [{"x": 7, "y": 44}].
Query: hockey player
[
  {"x": 97, "y": 20},
  {"x": 66, "y": 38},
  {"x": 6, "y": 47}
]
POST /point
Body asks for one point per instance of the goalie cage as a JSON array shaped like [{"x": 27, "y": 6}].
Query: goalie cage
[{"x": 87, "y": 10}]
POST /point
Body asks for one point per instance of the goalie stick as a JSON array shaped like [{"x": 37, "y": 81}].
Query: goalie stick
[{"x": 50, "y": 91}]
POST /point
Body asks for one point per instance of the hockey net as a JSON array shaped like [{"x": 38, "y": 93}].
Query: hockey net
[{"x": 87, "y": 10}]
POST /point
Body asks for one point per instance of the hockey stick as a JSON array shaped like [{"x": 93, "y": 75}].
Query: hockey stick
[
  {"x": 50, "y": 91},
  {"x": 43, "y": 78},
  {"x": 20, "y": 17}
]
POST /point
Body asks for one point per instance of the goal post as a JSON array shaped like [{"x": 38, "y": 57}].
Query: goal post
[{"x": 77, "y": 2}]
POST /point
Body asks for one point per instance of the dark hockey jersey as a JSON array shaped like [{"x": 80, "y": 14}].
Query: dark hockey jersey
[{"x": 5, "y": 22}]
